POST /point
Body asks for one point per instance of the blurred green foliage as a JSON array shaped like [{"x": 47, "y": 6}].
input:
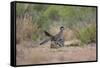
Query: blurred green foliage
[
  {"x": 69, "y": 16},
  {"x": 87, "y": 34}
]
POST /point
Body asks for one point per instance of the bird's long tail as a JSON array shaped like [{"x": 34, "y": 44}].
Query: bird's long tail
[
  {"x": 44, "y": 41},
  {"x": 48, "y": 34}
]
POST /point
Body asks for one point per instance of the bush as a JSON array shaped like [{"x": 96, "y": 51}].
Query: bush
[
  {"x": 26, "y": 30},
  {"x": 87, "y": 34}
]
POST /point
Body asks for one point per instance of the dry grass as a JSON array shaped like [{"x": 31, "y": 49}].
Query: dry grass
[{"x": 25, "y": 28}]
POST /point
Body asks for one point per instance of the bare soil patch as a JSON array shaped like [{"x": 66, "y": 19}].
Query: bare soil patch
[{"x": 31, "y": 53}]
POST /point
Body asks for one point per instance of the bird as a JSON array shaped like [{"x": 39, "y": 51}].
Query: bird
[{"x": 56, "y": 40}]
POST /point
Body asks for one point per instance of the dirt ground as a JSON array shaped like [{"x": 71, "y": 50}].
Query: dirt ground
[{"x": 29, "y": 53}]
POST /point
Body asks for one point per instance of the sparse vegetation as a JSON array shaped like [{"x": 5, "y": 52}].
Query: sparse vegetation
[
  {"x": 87, "y": 34},
  {"x": 44, "y": 17},
  {"x": 33, "y": 19}
]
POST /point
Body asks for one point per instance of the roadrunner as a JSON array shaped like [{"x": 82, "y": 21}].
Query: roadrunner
[{"x": 57, "y": 40}]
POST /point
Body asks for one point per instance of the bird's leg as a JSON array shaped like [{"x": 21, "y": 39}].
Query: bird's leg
[{"x": 54, "y": 44}]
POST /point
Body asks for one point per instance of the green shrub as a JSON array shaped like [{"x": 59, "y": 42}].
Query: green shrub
[{"x": 87, "y": 34}]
